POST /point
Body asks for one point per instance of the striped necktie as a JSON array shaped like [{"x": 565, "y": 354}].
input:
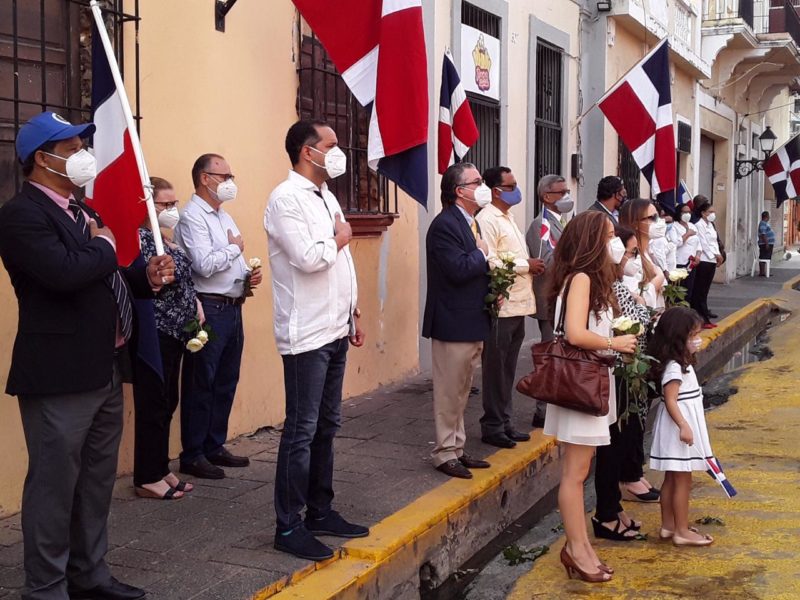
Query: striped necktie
[{"x": 114, "y": 281}]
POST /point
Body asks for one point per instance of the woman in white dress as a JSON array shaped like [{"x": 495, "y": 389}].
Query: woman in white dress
[{"x": 587, "y": 261}]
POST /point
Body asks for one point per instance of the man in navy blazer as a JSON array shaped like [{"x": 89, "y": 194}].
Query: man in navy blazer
[
  {"x": 75, "y": 320},
  {"x": 456, "y": 318}
]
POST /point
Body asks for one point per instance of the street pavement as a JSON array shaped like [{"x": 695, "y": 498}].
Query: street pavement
[{"x": 217, "y": 542}]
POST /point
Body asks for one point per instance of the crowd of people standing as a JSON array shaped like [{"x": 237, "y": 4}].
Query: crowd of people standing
[{"x": 85, "y": 324}]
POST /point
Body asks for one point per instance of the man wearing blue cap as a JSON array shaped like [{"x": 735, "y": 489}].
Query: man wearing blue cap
[{"x": 75, "y": 318}]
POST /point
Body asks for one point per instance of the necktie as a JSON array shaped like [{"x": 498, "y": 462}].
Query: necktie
[
  {"x": 474, "y": 227},
  {"x": 114, "y": 281}
]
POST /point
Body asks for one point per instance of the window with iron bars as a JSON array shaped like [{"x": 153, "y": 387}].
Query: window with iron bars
[
  {"x": 548, "y": 136},
  {"x": 486, "y": 151},
  {"x": 628, "y": 170},
  {"x": 45, "y": 64},
  {"x": 367, "y": 198}
]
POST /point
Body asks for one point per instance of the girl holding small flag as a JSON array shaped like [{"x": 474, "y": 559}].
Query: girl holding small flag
[{"x": 680, "y": 436}]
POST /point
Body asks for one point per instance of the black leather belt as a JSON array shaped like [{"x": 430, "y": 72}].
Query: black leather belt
[{"x": 221, "y": 298}]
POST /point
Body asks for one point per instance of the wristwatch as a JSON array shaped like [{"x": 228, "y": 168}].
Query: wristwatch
[{"x": 357, "y": 313}]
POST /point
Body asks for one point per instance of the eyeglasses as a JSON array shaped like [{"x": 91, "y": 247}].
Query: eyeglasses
[
  {"x": 651, "y": 218},
  {"x": 560, "y": 192},
  {"x": 476, "y": 182},
  {"x": 506, "y": 188},
  {"x": 225, "y": 176},
  {"x": 167, "y": 205},
  {"x": 633, "y": 253}
]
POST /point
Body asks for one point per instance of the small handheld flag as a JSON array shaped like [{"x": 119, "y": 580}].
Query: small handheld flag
[
  {"x": 684, "y": 197},
  {"x": 714, "y": 470}
]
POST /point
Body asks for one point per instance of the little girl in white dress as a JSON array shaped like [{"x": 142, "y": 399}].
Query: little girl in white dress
[{"x": 680, "y": 436}]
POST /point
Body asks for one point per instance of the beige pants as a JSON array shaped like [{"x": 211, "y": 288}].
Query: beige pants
[{"x": 453, "y": 366}]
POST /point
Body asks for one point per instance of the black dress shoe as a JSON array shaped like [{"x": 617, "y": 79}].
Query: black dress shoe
[
  {"x": 202, "y": 468},
  {"x": 501, "y": 440},
  {"x": 224, "y": 458},
  {"x": 538, "y": 422},
  {"x": 334, "y": 524},
  {"x": 300, "y": 542},
  {"x": 455, "y": 469},
  {"x": 712, "y": 316},
  {"x": 473, "y": 463},
  {"x": 517, "y": 436},
  {"x": 113, "y": 590}
]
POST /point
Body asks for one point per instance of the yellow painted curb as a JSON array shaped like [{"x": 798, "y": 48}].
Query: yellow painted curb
[
  {"x": 733, "y": 320},
  {"x": 792, "y": 283},
  {"x": 360, "y": 557}
]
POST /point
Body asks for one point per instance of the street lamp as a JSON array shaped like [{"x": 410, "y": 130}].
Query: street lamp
[{"x": 747, "y": 167}]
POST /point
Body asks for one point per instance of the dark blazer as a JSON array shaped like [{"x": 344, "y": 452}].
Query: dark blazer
[
  {"x": 600, "y": 208},
  {"x": 67, "y": 313},
  {"x": 457, "y": 282},
  {"x": 541, "y": 284}
]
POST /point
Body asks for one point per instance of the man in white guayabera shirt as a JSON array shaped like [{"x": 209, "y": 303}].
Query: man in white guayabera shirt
[{"x": 316, "y": 316}]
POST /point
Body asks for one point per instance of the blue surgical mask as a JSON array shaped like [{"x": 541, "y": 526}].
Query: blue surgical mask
[{"x": 511, "y": 198}]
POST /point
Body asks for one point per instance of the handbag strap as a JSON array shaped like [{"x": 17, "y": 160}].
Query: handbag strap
[{"x": 559, "y": 331}]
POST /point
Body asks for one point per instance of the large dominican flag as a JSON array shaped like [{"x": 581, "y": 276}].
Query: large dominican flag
[
  {"x": 783, "y": 170},
  {"x": 117, "y": 191},
  {"x": 639, "y": 107},
  {"x": 457, "y": 129},
  {"x": 379, "y": 48}
]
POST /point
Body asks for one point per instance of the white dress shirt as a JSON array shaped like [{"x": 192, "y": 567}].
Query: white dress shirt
[
  {"x": 218, "y": 266},
  {"x": 314, "y": 286},
  {"x": 709, "y": 245},
  {"x": 686, "y": 248}
]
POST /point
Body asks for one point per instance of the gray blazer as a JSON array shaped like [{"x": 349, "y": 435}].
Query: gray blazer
[{"x": 537, "y": 249}]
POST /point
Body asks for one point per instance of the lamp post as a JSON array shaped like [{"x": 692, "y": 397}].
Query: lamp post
[{"x": 747, "y": 167}]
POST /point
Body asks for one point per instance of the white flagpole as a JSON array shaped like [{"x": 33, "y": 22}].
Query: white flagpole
[{"x": 126, "y": 110}]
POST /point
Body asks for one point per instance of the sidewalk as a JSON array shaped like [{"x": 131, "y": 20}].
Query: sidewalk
[
  {"x": 754, "y": 553},
  {"x": 217, "y": 542}
]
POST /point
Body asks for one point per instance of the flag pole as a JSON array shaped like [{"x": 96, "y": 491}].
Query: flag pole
[{"x": 126, "y": 110}]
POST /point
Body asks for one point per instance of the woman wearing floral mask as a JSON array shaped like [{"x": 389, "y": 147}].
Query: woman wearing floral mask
[
  {"x": 155, "y": 398},
  {"x": 710, "y": 258}
]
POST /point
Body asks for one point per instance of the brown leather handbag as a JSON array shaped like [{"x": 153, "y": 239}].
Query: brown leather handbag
[{"x": 568, "y": 376}]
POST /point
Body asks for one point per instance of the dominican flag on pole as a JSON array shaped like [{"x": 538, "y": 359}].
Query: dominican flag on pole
[
  {"x": 639, "y": 107},
  {"x": 717, "y": 474},
  {"x": 683, "y": 195},
  {"x": 379, "y": 48},
  {"x": 117, "y": 191},
  {"x": 783, "y": 170},
  {"x": 457, "y": 129}
]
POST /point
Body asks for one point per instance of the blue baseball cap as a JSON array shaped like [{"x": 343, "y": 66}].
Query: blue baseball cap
[{"x": 47, "y": 127}]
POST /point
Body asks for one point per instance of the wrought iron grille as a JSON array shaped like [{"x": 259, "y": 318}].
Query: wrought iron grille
[
  {"x": 628, "y": 170},
  {"x": 548, "y": 120},
  {"x": 323, "y": 94},
  {"x": 45, "y": 64},
  {"x": 482, "y": 20}
]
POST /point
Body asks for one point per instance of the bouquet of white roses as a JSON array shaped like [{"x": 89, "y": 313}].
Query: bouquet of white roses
[
  {"x": 501, "y": 276},
  {"x": 674, "y": 292},
  {"x": 634, "y": 369},
  {"x": 202, "y": 335}
]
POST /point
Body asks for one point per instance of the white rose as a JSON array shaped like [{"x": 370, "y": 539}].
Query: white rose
[
  {"x": 506, "y": 256},
  {"x": 622, "y": 323},
  {"x": 678, "y": 275},
  {"x": 255, "y": 263},
  {"x": 202, "y": 335},
  {"x": 194, "y": 345}
]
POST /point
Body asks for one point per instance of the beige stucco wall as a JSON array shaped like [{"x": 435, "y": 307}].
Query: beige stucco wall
[{"x": 234, "y": 93}]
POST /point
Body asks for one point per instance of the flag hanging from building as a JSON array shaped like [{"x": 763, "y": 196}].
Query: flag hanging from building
[
  {"x": 683, "y": 195},
  {"x": 116, "y": 192},
  {"x": 639, "y": 107},
  {"x": 378, "y": 46},
  {"x": 457, "y": 129},
  {"x": 783, "y": 170}
]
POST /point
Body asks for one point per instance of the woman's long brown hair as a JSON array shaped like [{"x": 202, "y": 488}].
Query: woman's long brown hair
[
  {"x": 630, "y": 215},
  {"x": 583, "y": 248}
]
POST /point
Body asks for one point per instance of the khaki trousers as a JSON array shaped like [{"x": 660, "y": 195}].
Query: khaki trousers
[{"x": 453, "y": 366}]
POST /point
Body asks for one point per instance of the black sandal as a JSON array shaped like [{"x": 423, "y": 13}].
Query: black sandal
[
  {"x": 181, "y": 487},
  {"x": 601, "y": 531}
]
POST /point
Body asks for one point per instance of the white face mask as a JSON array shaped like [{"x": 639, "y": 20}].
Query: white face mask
[
  {"x": 169, "y": 217},
  {"x": 226, "y": 191},
  {"x": 686, "y": 217},
  {"x": 616, "y": 249},
  {"x": 632, "y": 268},
  {"x": 482, "y": 195},
  {"x": 658, "y": 229},
  {"x": 565, "y": 205},
  {"x": 712, "y": 217},
  {"x": 81, "y": 167},
  {"x": 335, "y": 161},
  {"x": 694, "y": 345}
]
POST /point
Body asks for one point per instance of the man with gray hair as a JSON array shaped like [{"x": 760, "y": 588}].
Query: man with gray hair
[{"x": 542, "y": 237}]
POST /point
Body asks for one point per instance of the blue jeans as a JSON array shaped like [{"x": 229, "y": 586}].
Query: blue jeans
[
  {"x": 304, "y": 475},
  {"x": 209, "y": 382}
]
